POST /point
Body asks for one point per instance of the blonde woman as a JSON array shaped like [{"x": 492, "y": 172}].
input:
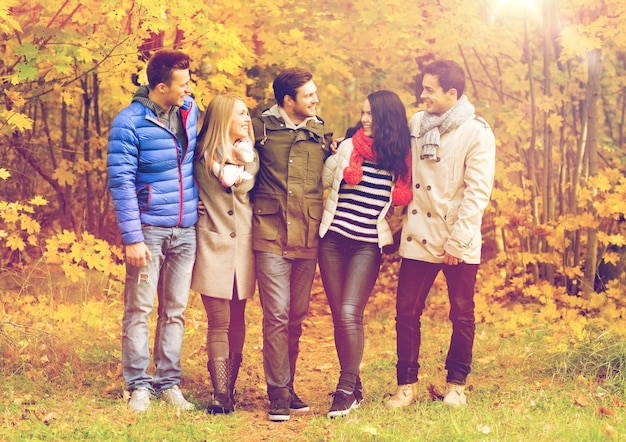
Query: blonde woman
[{"x": 224, "y": 271}]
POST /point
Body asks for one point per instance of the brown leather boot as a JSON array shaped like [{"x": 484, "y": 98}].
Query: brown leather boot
[{"x": 221, "y": 401}]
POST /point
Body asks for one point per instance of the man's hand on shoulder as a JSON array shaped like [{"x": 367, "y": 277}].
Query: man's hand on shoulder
[{"x": 138, "y": 254}]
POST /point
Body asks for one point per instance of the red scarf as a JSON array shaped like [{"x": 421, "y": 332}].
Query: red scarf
[{"x": 364, "y": 150}]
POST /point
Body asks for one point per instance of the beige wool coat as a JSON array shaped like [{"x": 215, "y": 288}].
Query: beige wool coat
[
  {"x": 224, "y": 236},
  {"x": 450, "y": 194}
]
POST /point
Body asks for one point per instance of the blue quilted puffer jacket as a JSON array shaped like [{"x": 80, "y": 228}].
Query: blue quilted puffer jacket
[{"x": 150, "y": 174}]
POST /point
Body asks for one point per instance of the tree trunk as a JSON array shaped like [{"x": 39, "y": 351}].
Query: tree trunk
[{"x": 594, "y": 60}]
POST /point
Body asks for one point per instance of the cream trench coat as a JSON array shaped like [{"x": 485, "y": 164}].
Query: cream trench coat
[
  {"x": 224, "y": 236},
  {"x": 449, "y": 194}
]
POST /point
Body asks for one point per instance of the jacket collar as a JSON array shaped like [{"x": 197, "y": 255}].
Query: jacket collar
[{"x": 275, "y": 118}]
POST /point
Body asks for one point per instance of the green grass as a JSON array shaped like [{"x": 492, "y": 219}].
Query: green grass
[{"x": 61, "y": 381}]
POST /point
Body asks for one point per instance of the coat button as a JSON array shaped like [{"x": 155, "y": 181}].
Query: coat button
[
  {"x": 424, "y": 241},
  {"x": 228, "y": 190},
  {"x": 414, "y": 211},
  {"x": 409, "y": 239},
  {"x": 230, "y": 212},
  {"x": 233, "y": 234},
  {"x": 438, "y": 159},
  {"x": 428, "y": 187},
  {"x": 428, "y": 214},
  {"x": 417, "y": 186}
]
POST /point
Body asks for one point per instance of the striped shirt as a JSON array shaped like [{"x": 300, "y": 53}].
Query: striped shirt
[{"x": 359, "y": 206}]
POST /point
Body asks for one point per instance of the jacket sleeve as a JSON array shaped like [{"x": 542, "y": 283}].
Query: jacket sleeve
[
  {"x": 122, "y": 162},
  {"x": 252, "y": 168},
  {"x": 478, "y": 180},
  {"x": 328, "y": 173}
]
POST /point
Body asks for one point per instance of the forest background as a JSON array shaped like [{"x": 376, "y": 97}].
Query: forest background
[{"x": 548, "y": 75}]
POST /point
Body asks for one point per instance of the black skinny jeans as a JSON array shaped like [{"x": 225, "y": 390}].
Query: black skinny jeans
[
  {"x": 415, "y": 280},
  {"x": 349, "y": 270}
]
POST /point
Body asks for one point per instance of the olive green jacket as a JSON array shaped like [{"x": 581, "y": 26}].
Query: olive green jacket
[{"x": 288, "y": 196}]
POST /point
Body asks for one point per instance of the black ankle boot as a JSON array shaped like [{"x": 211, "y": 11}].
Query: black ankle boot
[
  {"x": 235, "y": 363},
  {"x": 221, "y": 401}
]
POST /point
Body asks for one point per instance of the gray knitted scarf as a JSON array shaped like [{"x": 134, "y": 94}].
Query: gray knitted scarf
[{"x": 434, "y": 126}]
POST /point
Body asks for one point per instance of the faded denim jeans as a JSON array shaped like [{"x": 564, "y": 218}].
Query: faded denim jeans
[
  {"x": 167, "y": 275},
  {"x": 284, "y": 289}
]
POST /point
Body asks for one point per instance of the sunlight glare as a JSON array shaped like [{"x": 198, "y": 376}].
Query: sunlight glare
[{"x": 517, "y": 8}]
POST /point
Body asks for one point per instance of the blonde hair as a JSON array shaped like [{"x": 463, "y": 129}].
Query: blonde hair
[{"x": 216, "y": 127}]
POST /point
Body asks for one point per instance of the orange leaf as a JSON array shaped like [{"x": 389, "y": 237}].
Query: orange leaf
[
  {"x": 581, "y": 401},
  {"x": 607, "y": 411}
]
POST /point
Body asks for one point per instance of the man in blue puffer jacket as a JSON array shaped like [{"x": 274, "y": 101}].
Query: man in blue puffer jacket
[{"x": 150, "y": 167}]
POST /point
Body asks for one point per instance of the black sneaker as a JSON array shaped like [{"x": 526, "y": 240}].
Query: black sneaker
[
  {"x": 342, "y": 404},
  {"x": 279, "y": 405},
  {"x": 297, "y": 405},
  {"x": 358, "y": 392},
  {"x": 358, "y": 396}
]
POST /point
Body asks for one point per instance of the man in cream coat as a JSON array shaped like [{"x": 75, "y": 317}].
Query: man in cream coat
[{"x": 453, "y": 154}]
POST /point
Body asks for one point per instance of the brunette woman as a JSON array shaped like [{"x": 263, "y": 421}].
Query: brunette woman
[
  {"x": 369, "y": 174},
  {"x": 224, "y": 271}
]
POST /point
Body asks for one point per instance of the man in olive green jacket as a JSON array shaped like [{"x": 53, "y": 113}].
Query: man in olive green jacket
[{"x": 288, "y": 201}]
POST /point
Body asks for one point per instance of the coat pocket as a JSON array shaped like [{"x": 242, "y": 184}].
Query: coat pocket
[
  {"x": 266, "y": 219},
  {"x": 316, "y": 209}
]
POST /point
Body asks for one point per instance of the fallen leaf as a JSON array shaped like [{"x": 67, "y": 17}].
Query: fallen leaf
[
  {"x": 323, "y": 367},
  {"x": 607, "y": 411},
  {"x": 607, "y": 429},
  {"x": 49, "y": 418},
  {"x": 369, "y": 430},
  {"x": 484, "y": 429},
  {"x": 581, "y": 401},
  {"x": 519, "y": 408}
]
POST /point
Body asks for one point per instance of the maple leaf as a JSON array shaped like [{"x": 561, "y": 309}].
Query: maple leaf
[
  {"x": 18, "y": 120},
  {"x": 66, "y": 237},
  {"x": 64, "y": 176},
  {"x": 29, "y": 224},
  {"x": 610, "y": 257},
  {"x": 38, "y": 201},
  {"x": 73, "y": 271},
  {"x": 15, "y": 242}
]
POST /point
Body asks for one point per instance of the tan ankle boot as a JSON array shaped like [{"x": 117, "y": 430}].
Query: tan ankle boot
[{"x": 405, "y": 395}]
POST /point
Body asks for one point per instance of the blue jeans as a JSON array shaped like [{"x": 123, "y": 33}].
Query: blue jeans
[
  {"x": 349, "y": 270},
  {"x": 415, "y": 280},
  {"x": 168, "y": 275},
  {"x": 284, "y": 289}
]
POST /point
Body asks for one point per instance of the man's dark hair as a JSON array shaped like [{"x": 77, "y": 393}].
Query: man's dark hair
[
  {"x": 288, "y": 81},
  {"x": 162, "y": 64},
  {"x": 449, "y": 74}
]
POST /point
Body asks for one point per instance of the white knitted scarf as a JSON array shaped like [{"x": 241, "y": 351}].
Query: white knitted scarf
[{"x": 434, "y": 126}]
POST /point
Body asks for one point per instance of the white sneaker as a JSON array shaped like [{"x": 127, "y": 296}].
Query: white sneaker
[
  {"x": 175, "y": 397},
  {"x": 139, "y": 400},
  {"x": 405, "y": 395},
  {"x": 455, "y": 395}
]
